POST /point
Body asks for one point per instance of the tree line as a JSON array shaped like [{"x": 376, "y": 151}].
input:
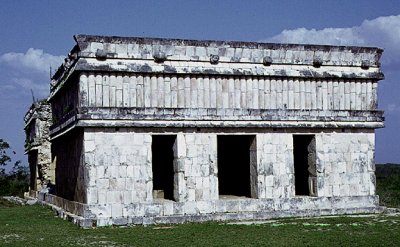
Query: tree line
[{"x": 16, "y": 181}]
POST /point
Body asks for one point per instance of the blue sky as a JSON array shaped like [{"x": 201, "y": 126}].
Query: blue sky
[{"x": 38, "y": 34}]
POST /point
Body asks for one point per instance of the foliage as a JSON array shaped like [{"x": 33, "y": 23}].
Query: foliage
[
  {"x": 37, "y": 226},
  {"x": 4, "y": 158},
  {"x": 17, "y": 181},
  {"x": 388, "y": 184}
]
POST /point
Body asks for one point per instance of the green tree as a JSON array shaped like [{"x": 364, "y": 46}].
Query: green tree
[
  {"x": 17, "y": 181},
  {"x": 4, "y": 158}
]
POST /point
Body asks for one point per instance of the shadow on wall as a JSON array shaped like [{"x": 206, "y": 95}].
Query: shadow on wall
[{"x": 68, "y": 150}]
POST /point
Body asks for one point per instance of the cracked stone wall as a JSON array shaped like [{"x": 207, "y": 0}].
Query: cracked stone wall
[
  {"x": 118, "y": 169},
  {"x": 196, "y": 167},
  {"x": 118, "y": 172},
  {"x": 38, "y": 147},
  {"x": 345, "y": 164},
  {"x": 275, "y": 165}
]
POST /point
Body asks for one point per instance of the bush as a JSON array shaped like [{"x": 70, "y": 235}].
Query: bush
[
  {"x": 16, "y": 182},
  {"x": 388, "y": 184}
]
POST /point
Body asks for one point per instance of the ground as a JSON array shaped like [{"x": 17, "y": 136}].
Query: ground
[{"x": 38, "y": 226}]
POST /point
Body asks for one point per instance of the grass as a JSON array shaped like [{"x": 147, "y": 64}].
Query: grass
[
  {"x": 37, "y": 226},
  {"x": 388, "y": 184}
]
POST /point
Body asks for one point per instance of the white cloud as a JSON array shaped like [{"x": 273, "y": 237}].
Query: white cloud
[
  {"x": 22, "y": 72},
  {"x": 19, "y": 88},
  {"x": 382, "y": 32},
  {"x": 40, "y": 89},
  {"x": 393, "y": 108},
  {"x": 35, "y": 60}
]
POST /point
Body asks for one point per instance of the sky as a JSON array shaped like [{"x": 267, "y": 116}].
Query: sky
[{"x": 37, "y": 35}]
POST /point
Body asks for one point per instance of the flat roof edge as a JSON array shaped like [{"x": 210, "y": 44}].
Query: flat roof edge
[{"x": 83, "y": 38}]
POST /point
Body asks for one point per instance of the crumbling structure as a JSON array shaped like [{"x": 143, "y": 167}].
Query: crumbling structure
[
  {"x": 37, "y": 147},
  {"x": 165, "y": 130}
]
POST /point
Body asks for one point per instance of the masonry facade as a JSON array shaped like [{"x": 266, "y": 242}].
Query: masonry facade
[
  {"x": 38, "y": 147},
  {"x": 165, "y": 131}
]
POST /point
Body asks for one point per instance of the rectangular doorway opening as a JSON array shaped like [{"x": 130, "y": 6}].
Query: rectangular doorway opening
[
  {"x": 33, "y": 159},
  {"x": 305, "y": 173},
  {"x": 234, "y": 161},
  {"x": 163, "y": 156}
]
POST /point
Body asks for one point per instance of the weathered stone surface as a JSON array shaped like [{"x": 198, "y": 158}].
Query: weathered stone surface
[
  {"x": 37, "y": 145},
  {"x": 114, "y": 95}
]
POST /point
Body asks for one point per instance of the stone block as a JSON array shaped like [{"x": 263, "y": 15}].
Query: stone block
[
  {"x": 191, "y": 195},
  {"x": 205, "y": 207},
  {"x": 206, "y": 194},
  {"x": 103, "y": 222},
  {"x": 127, "y": 197},
  {"x": 199, "y": 194},
  {"x": 190, "y": 208},
  {"x": 102, "y": 183},
  {"x": 114, "y": 197},
  {"x": 111, "y": 171},
  {"x": 92, "y": 196},
  {"x": 248, "y": 205},
  {"x": 154, "y": 209},
  {"x": 101, "y": 210},
  {"x": 168, "y": 208},
  {"x": 120, "y": 221},
  {"x": 336, "y": 190},
  {"x": 116, "y": 210},
  {"x": 117, "y": 184},
  {"x": 269, "y": 181},
  {"x": 181, "y": 146},
  {"x": 134, "y": 210},
  {"x": 101, "y": 197}
]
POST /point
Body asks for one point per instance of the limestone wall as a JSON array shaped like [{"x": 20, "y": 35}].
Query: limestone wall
[
  {"x": 118, "y": 168},
  {"x": 196, "y": 167},
  {"x": 244, "y": 92},
  {"x": 275, "y": 165},
  {"x": 119, "y": 173},
  {"x": 345, "y": 164},
  {"x": 37, "y": 145}
]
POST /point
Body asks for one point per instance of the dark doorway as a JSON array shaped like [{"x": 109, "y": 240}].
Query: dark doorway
[
  {"x": 32, "y": 159},
  {"x": 304, "y": 164},
  {"x": 163, "y": 166},
  {"x": 234, "y": 165}
]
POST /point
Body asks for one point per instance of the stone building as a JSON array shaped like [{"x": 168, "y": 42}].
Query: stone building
[
  {"x": 37, "y": 147},
  {"x": 165, "y": 130}
]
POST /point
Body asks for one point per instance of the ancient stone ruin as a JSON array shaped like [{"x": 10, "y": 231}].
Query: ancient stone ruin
[
  {"x": 165, "y": 131},
  {"x": 37, "y": 146}
]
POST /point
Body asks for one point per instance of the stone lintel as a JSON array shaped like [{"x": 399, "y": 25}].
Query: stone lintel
[
  {"x": 228, "y": 124},
  {"x": 211, "y": 118},
  {"x": 210, "y": 114},
  {"x": 104, "y": 123}
]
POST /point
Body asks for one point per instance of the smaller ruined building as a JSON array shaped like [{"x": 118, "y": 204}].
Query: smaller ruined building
[
  {"x": 37, "y": 146},
  {"x": 148, "y": 130}
]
